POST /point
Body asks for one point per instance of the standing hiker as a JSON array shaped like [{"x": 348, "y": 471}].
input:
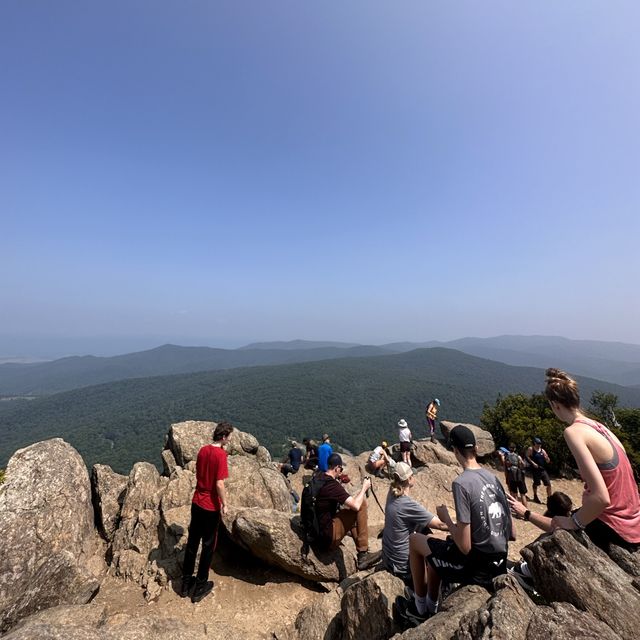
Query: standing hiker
[
  {"x": 538, "y": 458},
  {"x": 324, "y": 451},
  {"x": 432, "y": 413},
  {"x": 209, "y": 501},
  {"x": 514, "y": 465},
  {"x": 404, "y": 437}
]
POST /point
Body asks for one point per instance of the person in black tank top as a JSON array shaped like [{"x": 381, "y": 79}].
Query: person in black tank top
[{"x": 538, "y": 459}]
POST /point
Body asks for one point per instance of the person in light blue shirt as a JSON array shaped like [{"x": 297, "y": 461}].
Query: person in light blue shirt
[{"x": 324, "y": 451}]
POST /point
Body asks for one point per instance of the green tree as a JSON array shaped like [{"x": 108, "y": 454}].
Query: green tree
[
  {"x": 603, "y": 406},
  {"x": 518, "y": 418},
  {"x": 1, "y": 476}
]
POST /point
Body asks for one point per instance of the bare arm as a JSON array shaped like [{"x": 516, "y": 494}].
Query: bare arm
[
  {"x": 460, "y": 531},
  {"x": 528, "y": 457},
  {"x": 355, "y": 502},
  {"x": 519, "y": 509},
  {"x": 222, "y": 495},
  {"x": 594, "y": 503},
  {"x": 436, "y": 523}
]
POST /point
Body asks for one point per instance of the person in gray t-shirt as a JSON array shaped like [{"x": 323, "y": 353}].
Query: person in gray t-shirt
[
  {"x": 403, "y": 516},
  {"x": 476, "y": 551}
]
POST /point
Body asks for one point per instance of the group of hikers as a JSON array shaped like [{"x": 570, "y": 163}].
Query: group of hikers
[{"x": 475, "y": 548}]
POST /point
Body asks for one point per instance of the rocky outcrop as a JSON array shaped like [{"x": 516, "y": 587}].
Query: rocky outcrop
[
  {"x": 484, "y": 440},
  {"x": 252, "y": 485},
  {"x": 108, "y": 488},
  {"x": 425, "y": 452},
  {"x": 276, "y": 538},
  {"x": 567, "y": 567},
  {"x": 46, "y": 532},
  {"x": 562, "y": 621},
  {"x": 321, "y": 619},
  {"x": 367, "y": 607},
  {"x": 454, "y": 608}
]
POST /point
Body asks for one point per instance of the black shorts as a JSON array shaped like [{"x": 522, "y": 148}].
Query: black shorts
[
  {"x": 540, "y": 476},
  {"x": 453, "y": 566},
  {"x": 602, "y": 535},
  {"x": 405, "y": 446},
  {"x": 517, "y": 486}
]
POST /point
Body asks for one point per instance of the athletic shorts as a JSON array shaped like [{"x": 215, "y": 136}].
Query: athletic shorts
[
  {"x": 405, "y": 446},
  {"x": 453, "y": 566},
  {"x": 540, "y": 476},
  {"x": 517, "y": 486},
  {"x": 602, "y": 535}
]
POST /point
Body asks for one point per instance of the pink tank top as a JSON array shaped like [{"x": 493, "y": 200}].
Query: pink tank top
[{"x": 623, "y": 514}]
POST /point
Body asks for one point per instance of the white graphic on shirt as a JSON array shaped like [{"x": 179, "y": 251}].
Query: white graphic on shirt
[{"x": 493, "y": 507}]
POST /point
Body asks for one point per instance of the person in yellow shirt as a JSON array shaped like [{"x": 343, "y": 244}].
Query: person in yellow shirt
[{"x": 432, "y": 414}]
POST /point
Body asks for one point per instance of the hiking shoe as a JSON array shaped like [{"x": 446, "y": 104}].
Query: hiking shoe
[
  {"x": 202, "y": 589},
  {"x": 536, "y": 500},
  {"x": 406, "y": 614},
  {"x": 367, "y": 559},
  {"x": 187, "y": 585},
  {"x": 522, "y": 574}
]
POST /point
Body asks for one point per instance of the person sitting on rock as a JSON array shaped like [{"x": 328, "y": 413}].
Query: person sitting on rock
[
  {"x": 351, "y": 519},
  {"x": 476, "y": 550},
  {"x": 378, "y": 459},
  {"x": 295, "y": 459},
  {"x": 514, "y": 471},
  {"x": 538, "y": 459},
  {"x": 610, "y": 509},
  {"x": 324, "y": 451},
  {"x": 311, "y": 453},
  {"x": 209, "y": 501},
  {"x": 403, "y": 516},
  {"x": 404, "y": 438}
]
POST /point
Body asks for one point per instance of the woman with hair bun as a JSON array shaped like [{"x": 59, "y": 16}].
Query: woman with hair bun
[
  {"x": 403, "y": 516},
  {"x": 610, "y": 510}
]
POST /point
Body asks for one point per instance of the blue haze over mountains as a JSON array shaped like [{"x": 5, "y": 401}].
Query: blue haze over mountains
[{"x": 614, "y": 362}]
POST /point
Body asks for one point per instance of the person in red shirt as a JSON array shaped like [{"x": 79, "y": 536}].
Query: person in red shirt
[{"x": 209, "y": 501}]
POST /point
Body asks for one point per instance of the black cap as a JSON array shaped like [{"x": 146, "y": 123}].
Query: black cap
[
  {"x": 537, "y": 440},
  {"x": 462, "y": 437},
  {"x": 334, "y": 461}
]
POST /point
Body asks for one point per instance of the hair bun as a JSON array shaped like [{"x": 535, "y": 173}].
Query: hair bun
[{"x": 556, "y": 374}]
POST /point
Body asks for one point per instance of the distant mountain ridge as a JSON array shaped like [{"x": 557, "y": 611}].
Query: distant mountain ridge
[{"x": 357, "y": 400}]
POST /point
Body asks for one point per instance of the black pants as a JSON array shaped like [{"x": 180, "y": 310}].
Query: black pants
[
  {"x": 603, "y": 536},
  {"x": 203, "y": 526}
]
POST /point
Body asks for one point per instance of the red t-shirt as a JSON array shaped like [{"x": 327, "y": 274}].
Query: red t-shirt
[{"x": 211, "y": 466}]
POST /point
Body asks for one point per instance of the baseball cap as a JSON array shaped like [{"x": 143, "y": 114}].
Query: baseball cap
[
  {"x": 537, "y": 440},
  {"x": 437, "y": 401},
  {"x": 403, "y": 471},
  {"x": 402, "y": 423},
  {"x": 325, "y": 436},
  {"x": 462, "y": 437},
  {"x": 334, "y": 461}
]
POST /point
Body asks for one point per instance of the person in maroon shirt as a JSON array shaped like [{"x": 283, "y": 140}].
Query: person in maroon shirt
[{"x": 209, "y": 501}]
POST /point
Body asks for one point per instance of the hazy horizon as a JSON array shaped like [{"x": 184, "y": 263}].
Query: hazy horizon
[{"x": 362, "y": 172}]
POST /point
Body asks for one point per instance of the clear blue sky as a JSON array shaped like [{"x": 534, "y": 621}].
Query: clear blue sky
[{"x": 223, "y": 172}]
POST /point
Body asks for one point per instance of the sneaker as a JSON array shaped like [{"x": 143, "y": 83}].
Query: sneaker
[
  {"x": 201, "y": 590},
  {"x": 367, "y": 559},
  {"x": 406, "y": 614},
  {"x": 522, "y": 574},
  {"x": 187, "y": 585},
  {"x": 536, "y": 500}
]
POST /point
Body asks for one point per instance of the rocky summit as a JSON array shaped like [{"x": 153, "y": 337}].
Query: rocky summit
[{"x": 97, "y": 555}]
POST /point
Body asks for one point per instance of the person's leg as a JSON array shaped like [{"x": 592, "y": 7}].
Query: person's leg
[
  {"x": 360, "y": 529},
  {"x": 547, "y": 484},
  {"x": 536, "y": 484},
  {"x": 193, "y": 541},
  {"x": 418, "y": 551},
  {"x": 343, "y": 522},
  {"x": 209, "y": 538}
]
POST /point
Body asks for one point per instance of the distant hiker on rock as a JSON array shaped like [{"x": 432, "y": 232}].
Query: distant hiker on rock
[
  {"x": 432, "y": 413},
  {"x": 404, "y": 437},
  {"x": 514, "y": 466},
  {"x": 610, "y": 509},
  {"x": 295, "y": 458},
  {"x": 378, "y": 459},
  {"x": 403, "y": 516},
  {"x": 476, "y": 551},
  {"x": 324, "y": 451},
  {"x": 352, "y": 519},
  {"x": 311, "y": 454},
  {"x": 209, "y": 501},
  {"x": 538, "y": 458}
]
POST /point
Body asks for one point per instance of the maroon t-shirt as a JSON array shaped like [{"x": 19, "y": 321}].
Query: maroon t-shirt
[
  {"x": 329, "y": 498},
  {"x": 211, "y": 466}
]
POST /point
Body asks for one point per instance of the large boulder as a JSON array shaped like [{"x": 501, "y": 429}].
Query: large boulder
[
  {"x": 505, "y": 616},
  {"x": 484, "y": 440},
  {"x": 562, "y": 621},
  {"x": 276, "y": 538},
  {"x": 108, "y": 489},
  {"x": 187, "y": 438},
  {"x": 47, "y": 534},
  {"x": 367, "y": 607},
  {"x": 252, "y": 485},
  {"x": 321, "y": 619},
  {"x": 444, "y": 625},
  {"x": 568, "y": 567},
  {"x": 425, "y": 452}
]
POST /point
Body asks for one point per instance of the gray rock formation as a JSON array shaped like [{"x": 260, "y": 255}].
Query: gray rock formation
[
  {"x": 187, "y": 438},
  {"x": 426, "y": 453},
  {"x": 169, "y": 464},
  {"x": 47, "y": 533},
  {"x": 251, "y": 485},
  {"x": 484, "y": 440},
  {"x": 444, "y": 625},
  {"x": 276, "y": 538},
  {"x": 108, "y": 488},
  {"x": 367, "y": 607},
  {"x": 321, "y": 619},
  {"x": 562, "y": 621},
  {"x": 568, "y": 569}
]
